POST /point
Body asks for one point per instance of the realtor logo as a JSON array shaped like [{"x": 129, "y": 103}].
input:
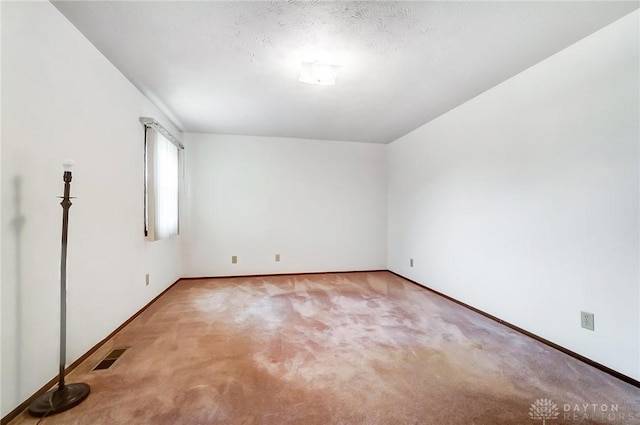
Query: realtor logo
[{"x": 544, "y": 409}]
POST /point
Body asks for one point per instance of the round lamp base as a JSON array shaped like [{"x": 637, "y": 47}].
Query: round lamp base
[{"x": 59, "y": 400}]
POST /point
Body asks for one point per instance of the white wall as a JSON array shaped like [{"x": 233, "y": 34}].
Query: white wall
[
  {"x": 321, "y": 205},
  {"x": 1, "y": 227},
  {"x": 61, "y": 98},
  {"x": 524, "y": 201}
]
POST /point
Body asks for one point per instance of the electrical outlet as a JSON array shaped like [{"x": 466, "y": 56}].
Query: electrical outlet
[
  {"x": 410, "y": 262},
  {"x": 586, "y": 320},
  {"x": 277, "y": 257},
  {"x": 146, "y": 279},
  {"x": 234, "y": 259}
]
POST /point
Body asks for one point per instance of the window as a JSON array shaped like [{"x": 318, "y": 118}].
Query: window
[{"x": 162, "y": 182}]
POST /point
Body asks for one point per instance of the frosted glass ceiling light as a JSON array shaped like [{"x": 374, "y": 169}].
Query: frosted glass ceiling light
[{"x": 318, "y": 73}]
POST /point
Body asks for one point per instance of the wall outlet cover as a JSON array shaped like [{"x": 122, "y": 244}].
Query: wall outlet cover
[
  {"x": 586, "y": 320},
  {"x": 234, "y": 259}
]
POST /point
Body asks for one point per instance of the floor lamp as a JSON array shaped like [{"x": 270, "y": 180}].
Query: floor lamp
[{"x": 65, "y": 396}]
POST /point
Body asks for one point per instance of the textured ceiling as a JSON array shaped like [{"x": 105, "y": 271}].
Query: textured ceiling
[{"x": 233, "y": 67}]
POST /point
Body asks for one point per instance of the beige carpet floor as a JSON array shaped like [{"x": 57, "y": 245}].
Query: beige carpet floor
[{"x": 352, "y": 348}]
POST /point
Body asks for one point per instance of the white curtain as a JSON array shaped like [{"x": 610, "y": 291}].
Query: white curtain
[{"x": 162, "y": 186}]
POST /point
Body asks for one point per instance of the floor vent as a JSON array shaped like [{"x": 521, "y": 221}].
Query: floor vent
[{"x": 110, "y": 359}]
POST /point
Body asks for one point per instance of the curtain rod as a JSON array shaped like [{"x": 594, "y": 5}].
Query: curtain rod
[{"x": 150, "y": 122}]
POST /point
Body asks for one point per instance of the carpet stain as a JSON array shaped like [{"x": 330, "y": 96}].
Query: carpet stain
[{"x": 357, "y": 348}]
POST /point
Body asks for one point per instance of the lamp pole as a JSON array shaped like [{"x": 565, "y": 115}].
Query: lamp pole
[{"x": 65, "y": 396}]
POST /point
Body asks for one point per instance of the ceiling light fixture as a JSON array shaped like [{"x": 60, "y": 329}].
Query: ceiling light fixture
[{"x": 318, "y": 73}]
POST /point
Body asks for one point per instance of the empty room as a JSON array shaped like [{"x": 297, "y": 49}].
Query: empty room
[{"x": 320, "y": 212}]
